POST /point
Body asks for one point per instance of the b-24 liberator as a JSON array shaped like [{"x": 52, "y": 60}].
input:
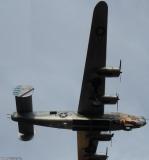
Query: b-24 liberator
[{"x": 90, "y": 122}]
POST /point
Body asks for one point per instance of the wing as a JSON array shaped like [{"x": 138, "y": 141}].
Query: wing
[
  {"x": 93, "y": 86},
  {"x": 85, "y": 144}
]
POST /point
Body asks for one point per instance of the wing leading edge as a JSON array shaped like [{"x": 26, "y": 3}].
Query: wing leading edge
[{"x": 93, "y": 86}]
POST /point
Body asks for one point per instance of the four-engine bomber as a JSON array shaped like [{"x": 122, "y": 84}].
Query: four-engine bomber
[{"x": 90, "y": 121}]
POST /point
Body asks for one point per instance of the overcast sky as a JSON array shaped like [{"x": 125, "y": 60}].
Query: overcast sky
[{"x": 44, "y": 43}]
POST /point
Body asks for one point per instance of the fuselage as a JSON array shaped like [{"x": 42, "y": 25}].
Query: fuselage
[{"x": 75, "y": 121}]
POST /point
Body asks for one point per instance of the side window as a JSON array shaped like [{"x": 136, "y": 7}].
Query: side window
[{"x": 53, "y": 112}]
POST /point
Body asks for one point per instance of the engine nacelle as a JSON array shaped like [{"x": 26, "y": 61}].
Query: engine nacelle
[
  {"x": 103, "y": 137},
  {"x": 109, "y": 72},
  {"x": 109, "y": 99},
  {"x": 23, "y": 96}
]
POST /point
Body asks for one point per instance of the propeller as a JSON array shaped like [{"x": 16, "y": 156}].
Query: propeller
[
  {"x": 111, "y": 138},
  {"x": 120, "y": 68},
  {"x": 107, "y": 152},
  {"x": 117, "y": 95},
  {"x": 111, "y": 142}
]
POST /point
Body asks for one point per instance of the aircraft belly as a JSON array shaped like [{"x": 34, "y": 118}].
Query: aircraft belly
[{"x": 91, "y": 125}]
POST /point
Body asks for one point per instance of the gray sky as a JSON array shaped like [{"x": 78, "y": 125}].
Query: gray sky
[{"x": 44, "y": 43}]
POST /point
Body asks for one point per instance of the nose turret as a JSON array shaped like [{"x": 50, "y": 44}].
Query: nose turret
[{"x": 142, "y": 121}]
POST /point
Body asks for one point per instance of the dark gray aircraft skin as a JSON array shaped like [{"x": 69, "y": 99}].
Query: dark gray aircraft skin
[{"x": 90, "y": 121}]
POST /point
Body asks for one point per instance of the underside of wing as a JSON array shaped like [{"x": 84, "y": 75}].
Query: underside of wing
[
  {"x": 88, "y": 142},
  {"x": 86, "y": 146},
  {"x": 93, "y": 86}
]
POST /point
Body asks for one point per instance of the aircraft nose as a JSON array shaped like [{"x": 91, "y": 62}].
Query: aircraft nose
[{"x": 142, "y": 121}]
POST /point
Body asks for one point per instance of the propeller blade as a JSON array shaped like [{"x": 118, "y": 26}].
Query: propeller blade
[
  {"x": 117, "y": 95},
  {"x": 117, "y": 106},
  {"x": 120, "y": 66},
  {"x": 111, "y": 142},
  {"x": 107, "y": 151}
]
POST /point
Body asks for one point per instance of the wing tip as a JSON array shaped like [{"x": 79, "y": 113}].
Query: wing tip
[{"x": 102, "y": 4}]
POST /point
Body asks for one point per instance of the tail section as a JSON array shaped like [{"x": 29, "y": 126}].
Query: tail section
[{"x": 23, "y": 97}]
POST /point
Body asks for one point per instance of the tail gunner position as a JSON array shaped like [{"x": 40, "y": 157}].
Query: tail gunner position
[{"x": 90, "y": 121}]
